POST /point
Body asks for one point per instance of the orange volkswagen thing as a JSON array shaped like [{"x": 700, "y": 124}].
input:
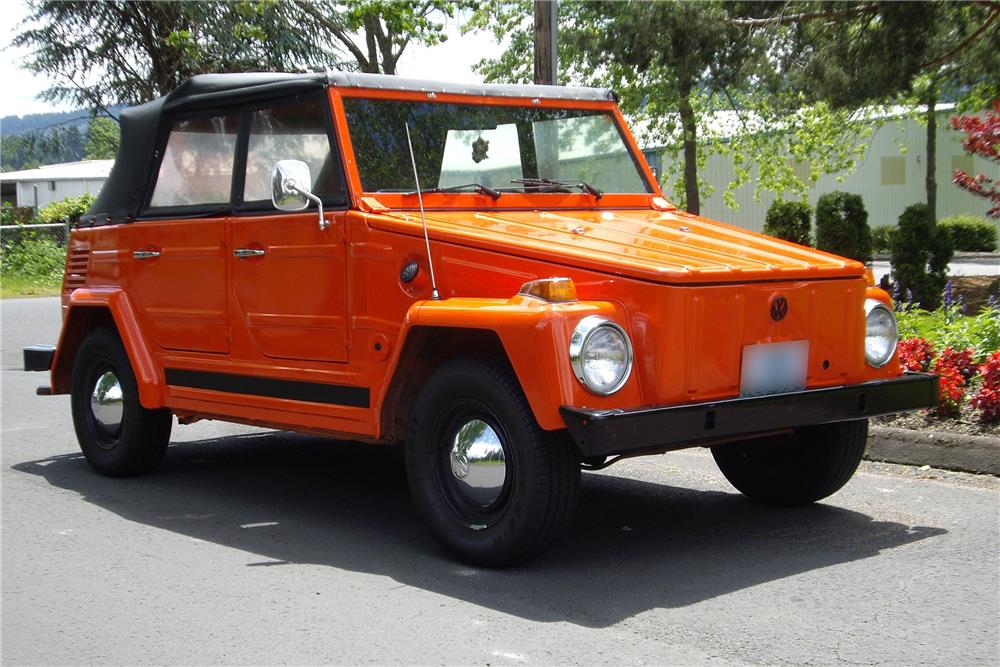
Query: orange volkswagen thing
[{"x": 488, "y": 275}]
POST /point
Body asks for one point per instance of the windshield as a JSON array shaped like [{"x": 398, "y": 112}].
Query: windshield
[{"x": 458, "y": 144}]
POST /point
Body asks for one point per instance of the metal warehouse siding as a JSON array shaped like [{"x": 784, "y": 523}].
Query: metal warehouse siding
[
  {"x": 884, "y": 202},
  {"x": 63, "y": 189}
]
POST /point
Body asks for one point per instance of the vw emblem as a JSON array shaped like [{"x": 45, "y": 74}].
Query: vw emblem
[
  {"x": 459, "y": 465},
  {"x": 779, "y": 308}
]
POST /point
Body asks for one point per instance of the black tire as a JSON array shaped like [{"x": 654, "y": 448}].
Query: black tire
[
  {"x": 136, "y": 445},
  {"x": 808, "y": 465},
  {"x": 541, "y": 482}
]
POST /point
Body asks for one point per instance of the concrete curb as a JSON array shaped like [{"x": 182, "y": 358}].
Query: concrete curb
[
  {"x": 988, "y": 257},
  {"x": 938, "y": 449}
]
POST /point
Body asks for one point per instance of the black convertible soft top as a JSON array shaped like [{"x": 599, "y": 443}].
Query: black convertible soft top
[{"x": 121, "y": 198}]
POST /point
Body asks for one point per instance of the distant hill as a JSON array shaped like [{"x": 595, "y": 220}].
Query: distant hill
[
  {"x": 44, "y": 138},
  {"x": 78, "y": 118}
]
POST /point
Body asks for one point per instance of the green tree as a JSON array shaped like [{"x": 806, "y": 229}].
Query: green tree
[
  {"x": 102, "y": 139},
  {"x": 145, "y": 49},
  {"x": 697, "y": 53},
  {"x": 385, "y": 27},
  {"x": 50, "y": 145},
  {"x": 860, "y": 53},
  {"x": 712, "y": 83},
  {"x": 964, "y": 62},
  {"x": 101, "y": 53}
]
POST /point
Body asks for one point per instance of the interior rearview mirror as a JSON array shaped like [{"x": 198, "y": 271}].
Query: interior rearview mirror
[{"x": 290, "y": 181}]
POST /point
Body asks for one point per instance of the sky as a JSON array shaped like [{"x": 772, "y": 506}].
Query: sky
[{"x": 449, "y": 61}]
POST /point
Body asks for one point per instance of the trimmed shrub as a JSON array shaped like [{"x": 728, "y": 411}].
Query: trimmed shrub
[
  {"x": 842, "y": 226},
  {"x": 920, "y": 256},
  {"x": 970, "y": 233},
  {"x": 71, "y": 207},
  {"x": 789, "y": 221},
  {"x": 882, "y": 239}
]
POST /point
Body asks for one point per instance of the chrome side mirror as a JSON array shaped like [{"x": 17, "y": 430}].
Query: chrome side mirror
[{"x": 291, "y": 188}]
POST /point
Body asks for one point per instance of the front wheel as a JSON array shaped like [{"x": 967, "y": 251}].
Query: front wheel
[
  {"x": 808, "y": 465},
  {"x": 493, "y": 487},
  {"x": 117, "y": 435}
]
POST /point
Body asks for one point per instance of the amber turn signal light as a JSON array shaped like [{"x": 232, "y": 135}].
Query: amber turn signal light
[{"x": 550, "y": 289}]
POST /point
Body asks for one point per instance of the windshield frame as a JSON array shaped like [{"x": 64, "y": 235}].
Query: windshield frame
[{"x": 510, "y": 199}]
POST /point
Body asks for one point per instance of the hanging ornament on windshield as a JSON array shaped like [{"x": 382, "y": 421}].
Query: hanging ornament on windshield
[{"x": 479, "y": 149}]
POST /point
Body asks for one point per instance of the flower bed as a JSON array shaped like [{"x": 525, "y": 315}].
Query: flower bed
[{"x": 964, "y": 351}]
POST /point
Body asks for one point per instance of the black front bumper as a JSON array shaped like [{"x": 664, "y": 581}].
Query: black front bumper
[{"x": 608, "y": 432}]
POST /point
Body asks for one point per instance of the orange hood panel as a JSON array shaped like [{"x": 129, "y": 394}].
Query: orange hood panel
[{"x": 668, "y": 247}]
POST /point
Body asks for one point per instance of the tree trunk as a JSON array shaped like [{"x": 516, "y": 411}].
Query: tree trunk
[
  {"x": 930, "y": 181},
  {"x": 371, "y": 66},
  {"x": 690, "y": 133}
]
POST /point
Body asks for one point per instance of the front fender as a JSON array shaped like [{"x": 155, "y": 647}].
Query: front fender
[
  {"x": 91, "y": 307},
  {"x": 535, "y": 336}
]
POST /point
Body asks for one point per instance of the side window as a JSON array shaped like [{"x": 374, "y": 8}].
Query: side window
[
  {"x": 197, "y": 165},
  {"x": 294, "y": 131}
]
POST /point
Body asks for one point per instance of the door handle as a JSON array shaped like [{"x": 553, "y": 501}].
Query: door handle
[
  {"x": 243, "y": 253},
  {"x": 145, "y": 254}
]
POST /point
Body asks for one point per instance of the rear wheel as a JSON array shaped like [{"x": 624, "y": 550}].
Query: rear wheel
[
  {"x": 492, "y": 485},
  {"x": 117, "y": 435},
  {"x": 808, "y": 465}
]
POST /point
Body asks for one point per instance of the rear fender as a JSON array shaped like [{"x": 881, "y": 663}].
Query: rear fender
[
  {"x": 90, "y": 308},
  {"x": 534, "y": 336}
]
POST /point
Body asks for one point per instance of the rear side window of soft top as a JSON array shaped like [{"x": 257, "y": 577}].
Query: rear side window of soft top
[
  {"x": 197, "y": 164},
  {"x": 212, "y": 159}
]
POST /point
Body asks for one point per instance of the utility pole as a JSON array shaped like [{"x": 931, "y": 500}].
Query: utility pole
[{"x": 546, "y": 27}]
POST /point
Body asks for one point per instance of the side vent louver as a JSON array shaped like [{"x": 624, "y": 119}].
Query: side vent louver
[{"x": 77, "y": 261}]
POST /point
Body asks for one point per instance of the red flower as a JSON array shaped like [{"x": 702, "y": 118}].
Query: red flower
[
  {"x": 987, "y": 399},
  {"x": 962, "y": 361},
  {"x": 951, "y": 389},
  {"x": 915, "y": 354}
]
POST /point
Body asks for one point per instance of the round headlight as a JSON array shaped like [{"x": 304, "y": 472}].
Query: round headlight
[
  {"x": 601, "y": 355},
  {"x": 880, "y": 333}
]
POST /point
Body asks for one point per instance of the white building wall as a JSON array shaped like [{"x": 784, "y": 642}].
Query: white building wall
[
  {"x": 26, "y": 190},
  {"x": 884, "y": 202}
]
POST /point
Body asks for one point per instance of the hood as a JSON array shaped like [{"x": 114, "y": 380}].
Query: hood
[{"x": 662, "y": 246}]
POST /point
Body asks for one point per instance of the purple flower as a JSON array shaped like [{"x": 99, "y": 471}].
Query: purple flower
[{"x": 949, "y": 295}]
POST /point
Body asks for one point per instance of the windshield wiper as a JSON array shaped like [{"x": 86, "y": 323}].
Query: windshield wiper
[
  {"x": 541, "y": 182},
  {"x": 478, "y": 187}
]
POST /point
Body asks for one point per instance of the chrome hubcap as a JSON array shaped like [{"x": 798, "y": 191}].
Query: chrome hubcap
[
  {"x": 478, "y": 464},
  {"x": 106, "y": 401}
]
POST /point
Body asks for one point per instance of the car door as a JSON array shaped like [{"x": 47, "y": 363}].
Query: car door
[
  {"x": 288, "y": 275},
  {"x": 178, "y": 253}
]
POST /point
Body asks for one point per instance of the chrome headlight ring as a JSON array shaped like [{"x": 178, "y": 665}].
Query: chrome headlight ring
[
  {"x": 583, "y": 336},
  {"x": 879, "y": 315}
]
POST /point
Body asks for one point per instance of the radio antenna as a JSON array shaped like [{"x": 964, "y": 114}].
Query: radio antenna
[{"x": 423, "y": 217}]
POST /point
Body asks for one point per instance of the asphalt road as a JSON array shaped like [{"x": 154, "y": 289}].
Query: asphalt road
[{"x": 254, "y": 547}]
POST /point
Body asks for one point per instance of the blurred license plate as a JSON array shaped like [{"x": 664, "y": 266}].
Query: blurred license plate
[{"x": 774, "y": 368}]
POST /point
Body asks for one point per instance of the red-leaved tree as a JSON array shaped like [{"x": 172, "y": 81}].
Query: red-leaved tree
[{"x": 982, "y": 137}]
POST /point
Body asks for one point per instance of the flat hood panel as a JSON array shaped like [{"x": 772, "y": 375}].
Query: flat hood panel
[{"x": 664, "y": 246}]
